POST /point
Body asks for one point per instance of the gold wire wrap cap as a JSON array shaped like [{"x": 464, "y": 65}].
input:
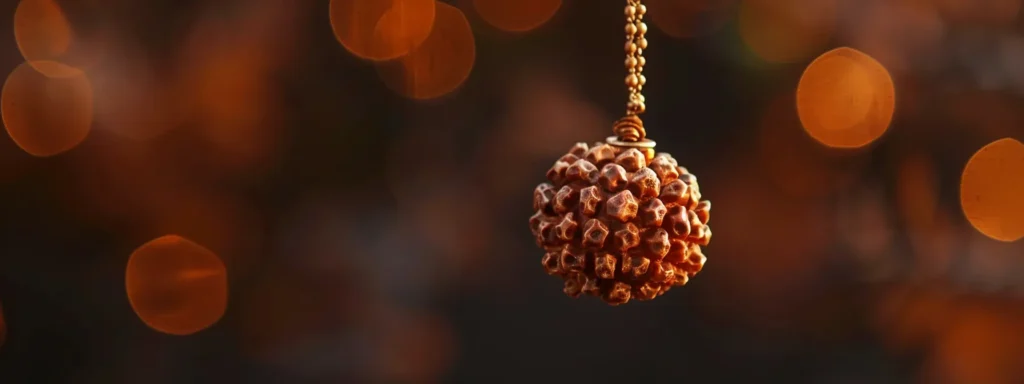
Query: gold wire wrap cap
[{"x": 630, "y": 129}]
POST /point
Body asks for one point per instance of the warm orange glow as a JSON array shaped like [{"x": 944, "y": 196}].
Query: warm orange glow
[
  {"x": 917, "y": 192},
  {"x": 798, "y": 165},
  {"x": 176, "y": 286},
  {"x": 987, "y": 114},
  {"x": 845, "y": 99},
  {"x": 688, "y": 18},
  {"x": 999, "y": 12},
  {"x": 440, "y": 64},
  {"x": 230, "y": 96},
  {"x": 786, "y": 31},
  {"x": 516, "y": 15},
  {"x": 46, "y": 116},
  {"x": 132, "y": 101},
  {"x": 992, "y": 190},
  {"x": 43, "y": 35},
  {"x": 381, "y": 30},
  {"x": 982, "y": 345},
  {"x": 760, "y": 240},
  {"x": 909, "y": 318}
]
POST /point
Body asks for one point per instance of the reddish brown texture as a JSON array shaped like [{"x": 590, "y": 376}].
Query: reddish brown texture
[{"x": 614, "y": 226}]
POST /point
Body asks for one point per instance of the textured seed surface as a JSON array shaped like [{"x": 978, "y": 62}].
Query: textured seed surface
[{"x": 618, "y": 227}]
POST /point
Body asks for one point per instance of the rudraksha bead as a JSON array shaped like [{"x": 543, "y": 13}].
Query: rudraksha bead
[{"x": 620, "y": 227}]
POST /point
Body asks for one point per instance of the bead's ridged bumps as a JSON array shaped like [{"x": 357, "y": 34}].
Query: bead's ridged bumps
[
  {"x": 594, "y": 234},
  {"x": 601, "y": 154},
  {"x": 622, "y": 206},
  {"x": 665, "y": 167},
  {"x": 652, "y": 213},
  {"x": 613, "y": 177},
  {"x": 590, "y": 200},
  {"x": 617, "y": 226},
  {"x": 645, "y": 184},
  {"x": 581, "y": 170},
  {"x": 631, "y": 160}
]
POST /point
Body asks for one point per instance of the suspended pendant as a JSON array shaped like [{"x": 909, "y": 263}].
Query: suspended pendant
[{"x": 617, "y": 220}]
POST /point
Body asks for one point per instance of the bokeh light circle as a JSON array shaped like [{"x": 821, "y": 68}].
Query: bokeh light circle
[
  {"x": 992, "y": 190},
  {"x": 43, "y": 36},
  {"x": 381, "y": 30},
  {"x": 845, "y": 99},
  {"x": 46, "y": 116},
  {"x": 176, "y": 286},
  {"x": 516, "y": 15},
  {"x": 442, "y": 63}
]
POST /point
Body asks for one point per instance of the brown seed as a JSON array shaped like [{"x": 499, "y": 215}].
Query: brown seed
[{"x": 620, "y": 223}]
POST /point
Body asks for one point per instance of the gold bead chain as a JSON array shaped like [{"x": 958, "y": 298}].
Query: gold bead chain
[{"x": 636, "y": 43}]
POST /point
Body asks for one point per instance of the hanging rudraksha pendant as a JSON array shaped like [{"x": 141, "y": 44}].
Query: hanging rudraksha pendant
[
  {"x": 616, "y": 220},
  {"x": 620, "y": 224}
]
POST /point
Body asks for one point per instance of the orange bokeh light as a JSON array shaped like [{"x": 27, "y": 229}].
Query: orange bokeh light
[
  {"x": 381, "y": 30},
  {"x": 992, "y": 190},
  {"x": 440, "y": 64},
  {"x": 46, "y": 116},
  {"x": 43, "y": 35},
  {"x": 786, "y": 31},
  {"x": 176, "y": 286},
  {"x": 845, "y": 99},
  {"x": 516, "y": 15},
  {"x": 688, "y": 18}
]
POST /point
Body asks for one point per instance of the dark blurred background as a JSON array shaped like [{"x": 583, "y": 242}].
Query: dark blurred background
[{"x": 364, "y": 170}]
